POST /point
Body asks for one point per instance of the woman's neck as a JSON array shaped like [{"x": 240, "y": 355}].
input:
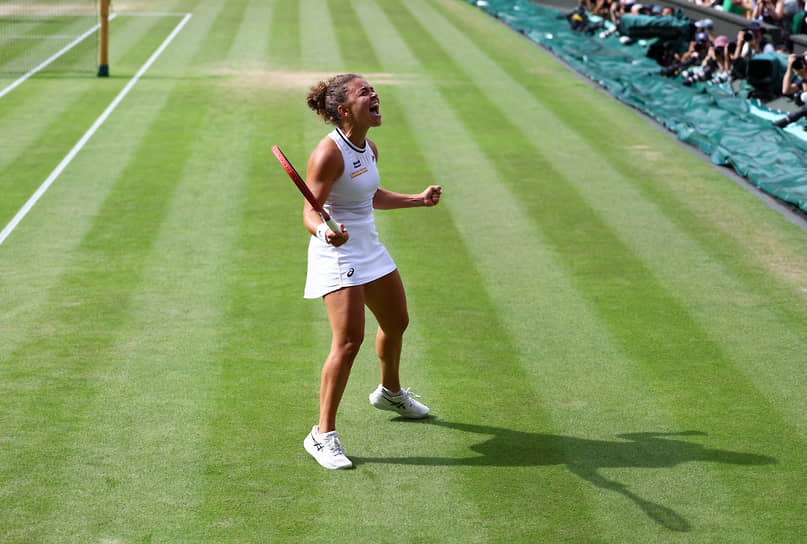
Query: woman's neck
[{"x": 356, "y": 136}]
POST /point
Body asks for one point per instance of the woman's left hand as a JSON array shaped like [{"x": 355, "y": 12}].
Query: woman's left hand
[{"x": 431, "y": 196}]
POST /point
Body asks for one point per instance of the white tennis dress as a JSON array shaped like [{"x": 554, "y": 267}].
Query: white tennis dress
[{"x": 363, "y": 258}]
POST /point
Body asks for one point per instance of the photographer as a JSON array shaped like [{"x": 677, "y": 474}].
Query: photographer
[
  {"x": 795, "y": 81},
  {"x": 750, "y": 42},
  {"x": 698, "y": 49},
  {"x": 694, "y": 56},
  {"x": 795, "y": 84},
  {"x": 718, "y": 57},
  {"x": 715, "y": 65}
]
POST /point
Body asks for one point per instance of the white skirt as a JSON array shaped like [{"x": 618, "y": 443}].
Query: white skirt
[{"x": 360, "y": 260}]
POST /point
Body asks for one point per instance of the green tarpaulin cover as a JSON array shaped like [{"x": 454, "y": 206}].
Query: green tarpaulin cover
[{"x": 706, "y": 115}]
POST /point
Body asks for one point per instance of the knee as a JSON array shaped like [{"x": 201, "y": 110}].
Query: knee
[
  {"x": 346, "y": 349},
  {"x": 404, "y": 322},
  {"x": 397, "y": 327}
]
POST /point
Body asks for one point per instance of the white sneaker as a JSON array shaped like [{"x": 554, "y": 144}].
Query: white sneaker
[
  {"x": 402, "y": 402},
  {"x": 326, "y": 449}
]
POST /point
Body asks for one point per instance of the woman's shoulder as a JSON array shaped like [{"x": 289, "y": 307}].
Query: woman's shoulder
[
  {"x": 326, "y": 157},
  {"x": 373, "y": 148}
]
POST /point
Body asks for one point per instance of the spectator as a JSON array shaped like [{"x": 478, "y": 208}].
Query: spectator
[
  {"x": 597, "y": 7},
  {"x": 738, "y": 7},
  {"x": 618, "y": 8},
  {"x": 794, "y": 22},
  {"x": 769, "y": 11}
]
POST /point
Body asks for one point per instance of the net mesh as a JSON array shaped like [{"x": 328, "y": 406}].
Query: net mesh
[{"x": 49, "y": 35}]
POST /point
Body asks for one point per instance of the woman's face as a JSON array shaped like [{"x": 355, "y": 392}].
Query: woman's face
[{"x": 362, "y": 105}]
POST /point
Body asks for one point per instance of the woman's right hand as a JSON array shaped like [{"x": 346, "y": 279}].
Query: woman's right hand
[{"x": 336, "y": 239}]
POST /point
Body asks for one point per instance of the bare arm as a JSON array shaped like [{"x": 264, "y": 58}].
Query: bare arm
[
  {"x": 325, "y": 165},
  {"x": 388, "y": 200},
  {"x": 787, "y": 86}
]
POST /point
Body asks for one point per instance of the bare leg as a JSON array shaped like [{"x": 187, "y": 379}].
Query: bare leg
[
  {"x": 387, "y": 300},
  {"x": 346, "y": 315}
]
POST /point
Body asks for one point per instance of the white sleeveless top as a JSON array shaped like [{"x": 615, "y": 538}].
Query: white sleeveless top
[{"x": 363, "y": 258}]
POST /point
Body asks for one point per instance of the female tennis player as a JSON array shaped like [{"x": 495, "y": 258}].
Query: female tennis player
[{"x": 351, "y": 269}]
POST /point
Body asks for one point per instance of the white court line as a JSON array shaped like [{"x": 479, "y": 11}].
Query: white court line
[
  {"x": 55, "y": 56},
  {"x": 87, "y": 135}
]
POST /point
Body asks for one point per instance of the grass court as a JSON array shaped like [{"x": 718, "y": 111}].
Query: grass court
[{"x": 609, "y": 332}]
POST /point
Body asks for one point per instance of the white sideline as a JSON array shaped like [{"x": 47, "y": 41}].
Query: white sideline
[
  {"x": 87, "y": 135},
  {"x": 55, "y": 56}
]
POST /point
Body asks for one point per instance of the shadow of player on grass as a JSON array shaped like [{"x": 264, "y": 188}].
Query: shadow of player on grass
[{"x": 585, "y": 458}]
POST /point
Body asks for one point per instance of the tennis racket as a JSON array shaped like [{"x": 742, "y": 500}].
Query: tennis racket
[{"x": 309, "y": 196}]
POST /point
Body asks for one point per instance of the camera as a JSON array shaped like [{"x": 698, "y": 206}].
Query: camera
[
  {"x": 695, "y": 75},
  {"x": 579, "y": 21},
  {"x": 675, "y": 69},
  {"x": 748, "y": 35},
  {"x": 799, "y": 63}
]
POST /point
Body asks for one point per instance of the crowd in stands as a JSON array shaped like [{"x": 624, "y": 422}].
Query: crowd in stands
[{"x": 711, "y": 57}]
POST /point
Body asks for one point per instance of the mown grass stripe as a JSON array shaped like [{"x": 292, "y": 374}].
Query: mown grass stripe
[
  {"x": 274, "y": 360},
  {"x": 319, "y": 48},
  {"x": 252, "y": 40},
  {"x": 355, "y": 47},
  {"x": 285, "y": 41}
]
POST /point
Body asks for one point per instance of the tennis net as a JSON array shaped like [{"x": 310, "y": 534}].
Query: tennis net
[{"x": 51, "y": 35}]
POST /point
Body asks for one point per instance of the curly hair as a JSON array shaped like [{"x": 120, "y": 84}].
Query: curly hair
[{"x": 326, "y": 96}]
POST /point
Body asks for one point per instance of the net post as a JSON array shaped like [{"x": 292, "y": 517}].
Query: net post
[{"x": 103, "y": 43}]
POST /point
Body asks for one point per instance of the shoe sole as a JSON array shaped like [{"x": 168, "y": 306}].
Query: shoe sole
[{"x": 407, "y": 415}]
